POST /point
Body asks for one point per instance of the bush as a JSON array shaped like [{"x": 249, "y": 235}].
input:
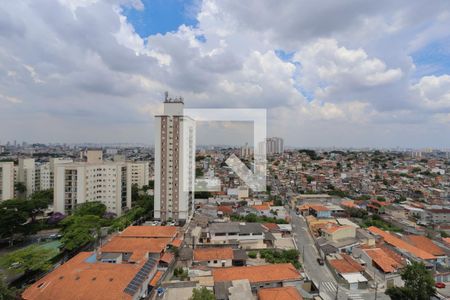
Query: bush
[
  {"x": 252, "y": 254},
  {"x": 281, "y": 256}
]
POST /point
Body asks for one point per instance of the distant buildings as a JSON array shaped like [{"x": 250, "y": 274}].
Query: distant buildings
[
  {"x": 274, "y": 145},
  {"x": 6, "y": 180},
  {"x": 174, "y": 163}
]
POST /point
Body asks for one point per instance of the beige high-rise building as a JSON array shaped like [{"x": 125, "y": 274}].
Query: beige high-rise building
[
  {"x": 139, "y": 173},
  {"x": 106, "y": 182},
  {"x": 174, "y": 163},
  {"x": 45, "y": 173},
  {"x": 6, "y": 180},
  {"x": 27, "y": 174}
]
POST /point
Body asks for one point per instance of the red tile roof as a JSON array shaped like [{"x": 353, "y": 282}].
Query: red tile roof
[
  {"x": 385, "y": 261},
  {"x": 156, "y": 278},
  {"x": 176, "y": 243},
  {"x": 318, "y": 207},
  {"x": 150, "y": 231},
  {"x": 261, "y": 207},
  {"x": 346, "y": 265},
  {"x": 226, "y": 209},
  {"x": 424, "y": 243},
  {"x": 255, "y": 274},
  {"x": 167, "y": 257},
  {"x": 78, "y": 279},
  {"x": 396, "y": 242},
  {"x": 206, "y": 254},
  {"x": 271, "y": 226},
  {"x": 138, "y": 246},
  {"x": 280, "y": 293}
]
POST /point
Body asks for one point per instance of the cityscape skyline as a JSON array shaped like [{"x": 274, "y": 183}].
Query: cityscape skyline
[{"x": 376, "y": 77}]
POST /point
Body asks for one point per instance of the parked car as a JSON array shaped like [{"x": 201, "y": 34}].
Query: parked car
[
  {"x": 320, "y": 261},
  {"x": 440, "y": 285}
]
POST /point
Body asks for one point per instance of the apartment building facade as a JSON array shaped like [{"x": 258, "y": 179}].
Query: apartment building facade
[
  {"x": 106, "y": 182},
  {"x": 6, "y": 180},
  {"x": 174, "y": 163}
]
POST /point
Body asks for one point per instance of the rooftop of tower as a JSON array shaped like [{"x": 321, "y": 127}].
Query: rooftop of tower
[{"x": 168, "y": 99}]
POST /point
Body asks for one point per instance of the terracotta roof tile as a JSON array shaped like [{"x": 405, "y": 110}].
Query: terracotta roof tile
[
  {"x": 261, "y": 207},
  {"x": 150, "y": 231},
  {"x": 156, "y": 278},
  {"x": 281, "y": 293},
  {"x": 318, "y": 207},
  {"x": 387, "y": 263},
  {"x": 176, "y": 243},
  {"x": 205, "y": 254},
  {"x": 271, "y": 226},
  {"x": 346, "y": 265},
  {"x": 255, "y": 274},
  {"x": 78, "y": 279},
  {"x": 138, "y": 246},
  {"x": 396, "y": 242},
  {"x": 424, "y": 243},
  {"x": 167, "y": 257}
]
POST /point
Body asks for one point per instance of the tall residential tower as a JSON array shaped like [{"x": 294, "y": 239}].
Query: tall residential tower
[{"x": 174, "y": 163}]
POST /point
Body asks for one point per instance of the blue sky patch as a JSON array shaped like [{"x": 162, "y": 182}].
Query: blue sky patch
[
  {"x": 283, "y": 55},
  {"x": 433, "y": 59},
  {"x": 161, "y": 16}
]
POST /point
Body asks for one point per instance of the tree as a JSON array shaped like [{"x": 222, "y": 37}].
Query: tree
[
  {"x": 134, "y": 192},
  {"x": 202, "y": 294},
  {"x": 79, "y": 230},
  {"x": 7, "y": 293},
  {"x": 419, "y": 283},
  {"x": 95, "y": 208},
  {"x": 20, "y": 187},
  {"x": 29, "y": 259},
  {"x": 11, "y": 222}
]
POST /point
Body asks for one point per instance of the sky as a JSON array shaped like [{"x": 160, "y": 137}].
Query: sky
[{"x": 344, "y": 73}]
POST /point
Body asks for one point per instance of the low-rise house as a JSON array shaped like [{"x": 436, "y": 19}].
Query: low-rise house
[
  {"x": 263, "y": 276},
  {"x": 382, "y": 264},
  {"x": 424, "y": 243},
  {"x": 349, "y": 271},
  {"x": 150, "y": 232},
  {"x": 403, "y": 247},
  {"x": 333, "y": 232},
  {"x": 131, "y": 250},
  {"x": 83, "y": 277},
  {"x": 218, "y": 257},
  {"x": 319, "y": 211},
  {"x": 246, "y": 235}
]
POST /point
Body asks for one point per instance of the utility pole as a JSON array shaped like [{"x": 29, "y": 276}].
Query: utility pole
[
  {"x": 376, "y": 290},
  {"x": 337, "y": 291}
]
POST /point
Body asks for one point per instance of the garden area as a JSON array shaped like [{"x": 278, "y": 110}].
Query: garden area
[{"x": 274, "y": 256}]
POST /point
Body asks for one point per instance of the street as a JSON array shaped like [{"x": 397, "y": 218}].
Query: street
[{"x": 320, "y": 275}]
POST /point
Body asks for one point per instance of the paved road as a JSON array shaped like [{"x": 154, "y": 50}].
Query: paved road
[{"x": 321, "y": 275}]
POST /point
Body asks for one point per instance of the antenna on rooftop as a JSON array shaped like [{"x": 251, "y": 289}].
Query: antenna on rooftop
[{"x": 166, "y": 94}]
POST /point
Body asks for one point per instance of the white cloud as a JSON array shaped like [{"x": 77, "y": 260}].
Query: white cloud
[{"x": 351, "y": 74}]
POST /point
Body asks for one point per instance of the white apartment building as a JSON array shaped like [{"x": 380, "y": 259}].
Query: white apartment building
[
  {"x": 27, "y": 174},
  {"x": 274, "y": 145},
  {"x": 45, "y": 173},
  {"x": 140, "y": 173},
  {"x": 174, "y": 163},
  {"x": 106, "y": 182},
  {"x": 6, "y": 180}
]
